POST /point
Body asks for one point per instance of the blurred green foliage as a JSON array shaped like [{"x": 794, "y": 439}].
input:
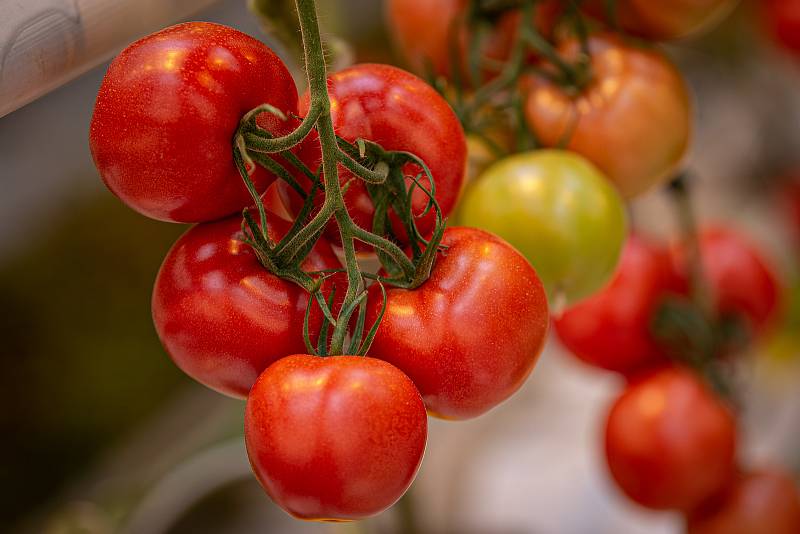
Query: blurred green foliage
[{"x": 80, "y": 358}]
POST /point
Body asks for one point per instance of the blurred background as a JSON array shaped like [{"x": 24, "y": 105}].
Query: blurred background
[{"x": 99, "y": 431}]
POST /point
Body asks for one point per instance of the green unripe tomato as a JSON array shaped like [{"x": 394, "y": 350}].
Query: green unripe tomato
[{"x": 559, "y": 211}]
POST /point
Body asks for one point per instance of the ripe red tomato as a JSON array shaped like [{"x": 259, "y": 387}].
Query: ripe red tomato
[
  {"x": 670, "y": 443},
  {"x": 166, "y": 114},
  {"x": 632, "y": 120},
  {"x": 222, "y": 317},
  {"x": 335, "y": 438},
  {"x": 611, "y": 329},
  {"x": 757, "y": 503},
  {"x": 783, "y": 21},
  {"x": 742, "y": 282},
  {"x": 398, "y": 111},
  {"x": 664, "y": 20},
  {"x": 431, "y": 49},
  {"x": 470, "y": 335}
]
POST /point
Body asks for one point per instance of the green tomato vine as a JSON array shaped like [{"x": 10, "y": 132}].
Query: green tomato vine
[{"x": 383, "y": 173}]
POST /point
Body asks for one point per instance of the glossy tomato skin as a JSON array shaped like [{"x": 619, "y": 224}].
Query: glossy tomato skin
[
  {"x": 741, "y": 280},
  {"x": 471, "y": 334},
  {"x": 632, "y": 120},
  {"x": 166, "y": 113},
  {"x": 559, "y": 211},
  {"x": 612, "y": 329},
  {"x": 424, "y": 32},
  {"x": 398, "y": 111},
  {"x": 273, "y": 202},
  {"x": 665, "y": 20},
  {"x": 670, "y": 442},
  {"x": 782, "y": 18},
  {"x": 222, "y": 317},
  {"x": 756, "y": 503},
  {"x": 335, "y": 438}
]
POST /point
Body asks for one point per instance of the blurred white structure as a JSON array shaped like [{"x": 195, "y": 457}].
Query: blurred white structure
[{"x": 45, "y": 43}]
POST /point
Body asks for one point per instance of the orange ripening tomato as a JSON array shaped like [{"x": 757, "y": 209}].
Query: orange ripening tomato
[
  {"x": 632, "y": 120},
  {"x": 664, "y": 20}
]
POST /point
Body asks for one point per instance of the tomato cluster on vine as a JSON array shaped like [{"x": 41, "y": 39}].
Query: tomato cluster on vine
[
  {"x": 340, "y": 366},
  {"x": 193, "y": 124},
  {"x": 671, "y": 436}
]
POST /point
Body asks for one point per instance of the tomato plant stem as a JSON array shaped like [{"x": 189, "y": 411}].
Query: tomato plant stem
[
  {"x": 688, "y": 226},
  {"x": 334, "y": 201},
  {"x": 381, "y": 170}
]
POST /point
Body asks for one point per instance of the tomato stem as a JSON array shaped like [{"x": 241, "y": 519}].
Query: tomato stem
[
  {"x": 381, "y": 170},
  {"x": 692, "y": 327},
  {"x": 679, "y": 188}
]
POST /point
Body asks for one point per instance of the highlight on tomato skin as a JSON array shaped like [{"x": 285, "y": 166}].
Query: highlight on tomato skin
[
  {"x": 334, "y": 438},
  {"x": 612, "y": 328},
  {"x": 632, "y": 120},
  {"x": 221, "y": 316},
  {"x": 670, "y": 443},
  {"x": 472, "y": 333},
  {"x": 757, "y": 502}
]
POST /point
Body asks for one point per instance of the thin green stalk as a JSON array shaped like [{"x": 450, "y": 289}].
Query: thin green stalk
[
  {"x": 368, "y": 161},
  {"x": 318, "y": 87},
  {"x": 269, "y": 145}
]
